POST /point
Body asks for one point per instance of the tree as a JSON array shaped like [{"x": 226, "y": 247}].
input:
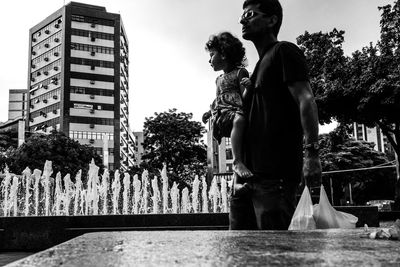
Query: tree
[
  {"x": 8, "y": 143},
  {"x": 8, "y": 139},
  {"x": 66, "y": 154},
  {"x": 340, "y": 152},
  {"x": 327, "y": 63},
  {"x": 173, "y": 138},
  {"x": 363, "y": 88}
]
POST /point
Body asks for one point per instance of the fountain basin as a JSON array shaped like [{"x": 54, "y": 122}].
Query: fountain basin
[{"x": 41, "y": 232}]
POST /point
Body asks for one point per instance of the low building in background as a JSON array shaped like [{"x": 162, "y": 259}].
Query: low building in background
[
  {"x": 17, "y": 101},
  {"x": 373, "y": 135},
  {"x": 17, "y": 108}
]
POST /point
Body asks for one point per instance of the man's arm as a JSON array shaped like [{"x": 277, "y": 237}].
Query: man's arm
[{"x": 302, "y": 94}]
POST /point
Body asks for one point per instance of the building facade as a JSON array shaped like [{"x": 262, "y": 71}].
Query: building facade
[
  {"x": 374, "y": 135},
  {"x": 78, "y": 80}
]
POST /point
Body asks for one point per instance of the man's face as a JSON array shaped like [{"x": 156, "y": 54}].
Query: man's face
[{"x": 254, "y": 22}]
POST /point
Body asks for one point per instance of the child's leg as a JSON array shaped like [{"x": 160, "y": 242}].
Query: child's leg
[{"x": 239, "y": 124}]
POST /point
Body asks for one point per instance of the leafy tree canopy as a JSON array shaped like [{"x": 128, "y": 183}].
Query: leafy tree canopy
[
  {"x": 66, "y": 154},
  {"x": 8, "y": 143},
  {"x": 364, "y": 87},
  {"x": 173, "y": 138},
  {"x": 8, "y": 139}
]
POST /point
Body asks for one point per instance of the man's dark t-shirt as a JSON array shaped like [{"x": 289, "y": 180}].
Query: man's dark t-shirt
[{"x": 274, "y": 136}]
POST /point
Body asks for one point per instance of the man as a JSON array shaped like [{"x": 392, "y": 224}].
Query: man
[{"x": 282, "y": 116}]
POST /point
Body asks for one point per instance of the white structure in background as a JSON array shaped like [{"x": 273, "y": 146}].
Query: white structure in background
[
  {"x": 373, "y": 135},
  {"x": 17, "y": 103},
  {"x": 219, "y": 156},
  {"x": 139, "y": 136}
]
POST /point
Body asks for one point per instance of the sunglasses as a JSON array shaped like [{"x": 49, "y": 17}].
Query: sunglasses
[{"x": 250, "y": 14}]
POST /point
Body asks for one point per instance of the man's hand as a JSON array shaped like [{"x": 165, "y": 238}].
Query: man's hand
[
  {"x": 312, "y": 169},
  {"x": 206, "y": 116}
]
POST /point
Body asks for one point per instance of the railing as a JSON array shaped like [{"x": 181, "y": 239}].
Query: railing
[{"x": 227, "y": 175}]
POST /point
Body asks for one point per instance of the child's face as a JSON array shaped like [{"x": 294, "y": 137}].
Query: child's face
[{"x": 216, "y": 61}]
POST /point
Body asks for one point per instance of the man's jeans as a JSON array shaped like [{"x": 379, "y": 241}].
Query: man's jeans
[{"x": 269, "y": 205}]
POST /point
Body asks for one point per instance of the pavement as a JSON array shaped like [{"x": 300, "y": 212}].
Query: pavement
[{"x": 332, "y": 247}]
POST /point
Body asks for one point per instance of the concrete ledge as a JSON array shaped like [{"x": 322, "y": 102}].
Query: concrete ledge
[
  {"x": 330, "y": 247},
  {"x": 38, "y": 233},
  {"x": 389, "y": 215}
]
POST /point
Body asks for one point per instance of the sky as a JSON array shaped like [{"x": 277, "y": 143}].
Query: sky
[{"x": 168, "y": 63}]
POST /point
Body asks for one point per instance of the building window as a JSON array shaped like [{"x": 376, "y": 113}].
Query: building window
[
  {"x": 92, "y": 34},
  {"x": 91, "y": 20},
  {"x": 90, "y": 105},
  {"x": 91, "y": 91},
  {"x": 227, "y": 141},
  {"x": 54, "y": 123},
  {"x": 229, "y": 167},
  {"x": 93, "y": 63},
  {"x": 229, "y": 154},
  {"x": 89, "y": 120},
  {"x": 92, "y": 48},
  {"x": 90, "y": 135},
  {"x": 45, "y": 110},
  {"x": 111, "y": 166}
]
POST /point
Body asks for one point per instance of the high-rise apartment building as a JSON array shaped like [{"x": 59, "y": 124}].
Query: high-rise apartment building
[{"x": 78, "y": 80}]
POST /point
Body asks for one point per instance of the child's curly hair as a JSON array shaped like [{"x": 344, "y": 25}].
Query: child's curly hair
[{"x": 230, "y": 47}]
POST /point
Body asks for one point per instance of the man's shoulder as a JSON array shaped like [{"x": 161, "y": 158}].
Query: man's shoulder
[
  {"x": 285, "y": 50},
  {"x": 286, "y": 45},
  {"x": 281, "y": 47}
]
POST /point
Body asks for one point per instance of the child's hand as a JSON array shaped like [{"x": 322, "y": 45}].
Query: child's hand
[
  {"x": 246, "y": 83},
  {"x": 206, "y": 116}
]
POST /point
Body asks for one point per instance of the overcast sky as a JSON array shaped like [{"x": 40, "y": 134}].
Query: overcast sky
[{"x": 168, "y": 64}]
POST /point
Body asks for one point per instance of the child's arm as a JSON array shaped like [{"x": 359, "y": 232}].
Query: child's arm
[
  {"x": 206, "y": 116},
  {"x": 245, "y": 84}
]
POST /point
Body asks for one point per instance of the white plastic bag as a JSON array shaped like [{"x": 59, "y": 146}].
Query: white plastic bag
[
  {"x": 327, "y": 217},
  {"x": 303, "y": 215}
]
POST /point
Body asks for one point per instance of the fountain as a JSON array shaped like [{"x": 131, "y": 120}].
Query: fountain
[
  {"x": 27, "y": 176},
  {"x": 44, "y": 195},
  {"x": 126, "y": 194},
  {"x": 78, "y": 192},
  {"x": 137, "y": 184},
  {"x": 175, "y": 197},
  {"x": 39, "y": 210}
]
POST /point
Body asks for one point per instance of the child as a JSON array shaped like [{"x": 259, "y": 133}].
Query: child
[{"x": 227, "y": 119}]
